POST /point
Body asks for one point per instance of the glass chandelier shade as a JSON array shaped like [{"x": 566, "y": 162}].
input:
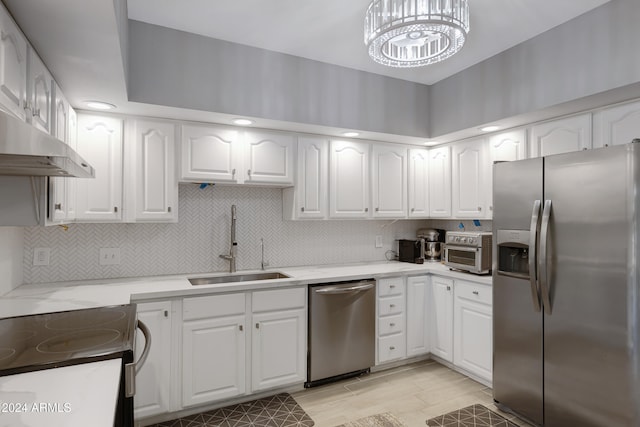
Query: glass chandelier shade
[{"x": 413, "y": 33}]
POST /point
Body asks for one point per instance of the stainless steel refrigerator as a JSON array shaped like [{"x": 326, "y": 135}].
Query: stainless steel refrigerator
[{"x": 565, "y": 280}]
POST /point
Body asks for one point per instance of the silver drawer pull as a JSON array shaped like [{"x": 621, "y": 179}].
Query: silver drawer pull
[
  {"x": 392, "y": 324},
  {"x": 392, "y": 305},
  {"x": 392, "y": 286},
  {"x": 392, "y": 348},
  {"x": 448, "y": 288},
  {"x": 476, "y": 293},
  {"x": 241, "y": 328}
]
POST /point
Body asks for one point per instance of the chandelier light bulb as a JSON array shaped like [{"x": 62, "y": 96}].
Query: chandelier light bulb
[{"x": 413, "y": 33}]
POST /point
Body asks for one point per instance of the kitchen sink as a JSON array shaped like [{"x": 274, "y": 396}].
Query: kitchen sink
[{"x": 236, "y": 278}]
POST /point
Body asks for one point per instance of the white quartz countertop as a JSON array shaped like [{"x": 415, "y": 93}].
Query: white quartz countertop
[{"x": 62, "y": 296}]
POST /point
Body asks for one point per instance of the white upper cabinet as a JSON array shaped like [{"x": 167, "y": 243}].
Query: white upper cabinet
[
  {"x": 99, "y": 199},
  {"x": 71, "y": 184},
  {"x": 616, "y": 125},
  {"x": 469, "y": 179},
  {"x": 561, "y": 136},
  {"x": 151, "y": 166},
  {"x": 210, "y": 153},
  {"x": 418, "y": 184},
  {"x": 440, "y": 182},
  {"x": 389, "y": 181},
  {"x": 269, "y": 157},
  {"x": 309, "y": 198},
  {"x": 39, "y": 92},
  {"x": 13, "y": 66},
  {"x": 58, "y": 186},
  {"x": 504, "y": 147},
  {"x": 349, "y": 179}
]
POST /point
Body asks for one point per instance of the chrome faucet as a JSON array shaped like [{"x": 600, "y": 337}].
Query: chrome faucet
[{"x": 234, "y": 245}]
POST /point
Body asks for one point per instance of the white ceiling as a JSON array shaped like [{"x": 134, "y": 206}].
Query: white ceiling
[{"x": 332, "y": 30}]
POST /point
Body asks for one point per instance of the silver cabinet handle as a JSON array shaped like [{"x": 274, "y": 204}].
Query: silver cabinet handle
[
  {"x": 392, "y": 305},
  {"x": 58, "y": 206},
  {"x": 257, "y": 325},
  {"x": 166, "y": 313},
  {"x": 366, "y": 209},
  {"x": 302, "y": 209},
  {"x": 448, "y": 288},
  {"x": 392, "y": 286},
  {"x": 545, "y": 259},
  {"x": 479, "y": 208},
  {"x": 413, "y": 209},
  {"x": 249, "y": 172},
  {"x": 476, "y": 293},
  {"x": 131, "y": 369},
  {"x": 233, "y": 172},
  {"x": 115, "y": 209},
  {"x": 392, "y": 324},
  {"x": 241, "y": 328},
  {"x": 392, "y": 348},
  {"x": 377, "y": 209},
  {"x": 534, "y": 231}
]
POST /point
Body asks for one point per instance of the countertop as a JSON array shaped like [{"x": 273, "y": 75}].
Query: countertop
[{"x": 62, "y": 296}]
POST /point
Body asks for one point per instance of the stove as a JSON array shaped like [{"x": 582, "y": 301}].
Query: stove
[{"x": 53, "y": 340}]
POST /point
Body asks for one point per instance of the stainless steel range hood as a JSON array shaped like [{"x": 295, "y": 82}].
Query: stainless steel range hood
[{"x": 27, "y": 151}]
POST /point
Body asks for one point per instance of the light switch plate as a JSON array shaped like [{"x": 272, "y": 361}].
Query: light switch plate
[
  {"x": 109, "y": 256},
  {"x": 41, "y": 256},
  {"x": 378, "y": 241}
]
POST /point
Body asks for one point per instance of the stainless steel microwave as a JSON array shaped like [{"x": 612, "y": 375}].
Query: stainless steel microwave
[{"x": 468, "y": 251}]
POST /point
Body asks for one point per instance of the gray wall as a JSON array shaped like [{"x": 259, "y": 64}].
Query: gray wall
[
  {"x": 178, "y": 69},
  {"x": 592, "y": 53}
]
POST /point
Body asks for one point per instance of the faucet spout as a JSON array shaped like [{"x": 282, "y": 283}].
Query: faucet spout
[{"x": 234, "y": 245}]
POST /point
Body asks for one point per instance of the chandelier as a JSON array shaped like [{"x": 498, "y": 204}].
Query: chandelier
[{"x": 412, "y": 33}]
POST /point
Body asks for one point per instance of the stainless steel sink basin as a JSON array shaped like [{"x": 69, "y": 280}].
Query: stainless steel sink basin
[{"x": 236, "y": 278}]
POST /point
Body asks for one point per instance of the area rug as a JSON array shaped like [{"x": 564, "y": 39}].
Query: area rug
[
  {"x": 379, "y": 420},
  {"x": 471, "y": 416},
  {"x": 280, "y": 410}
]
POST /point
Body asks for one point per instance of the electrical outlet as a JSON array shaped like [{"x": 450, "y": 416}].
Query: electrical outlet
[
  {"x": 41, "y": 256},
  {"x": 378, "y": 241},
  {"x": 109, "y": 256}
]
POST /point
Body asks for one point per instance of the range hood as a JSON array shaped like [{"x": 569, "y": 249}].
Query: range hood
[{"x": 27, "y": 151}]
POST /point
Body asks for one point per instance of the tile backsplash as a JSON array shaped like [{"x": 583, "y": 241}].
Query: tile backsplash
[{"x": 193, "y": 245}]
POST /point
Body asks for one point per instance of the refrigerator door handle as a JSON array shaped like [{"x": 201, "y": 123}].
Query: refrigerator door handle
[
  {"x": 533, "y": 253},
  {"x": 544, "y": 258}
]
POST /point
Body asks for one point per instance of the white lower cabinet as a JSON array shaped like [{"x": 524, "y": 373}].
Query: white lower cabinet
[
  {"x": 473, "y": 333},
  {"x": 213, "y": 348},
  {"x": 392, "y": 338},
  {"x": 278, "y": 343},
  {"x": 153, "y": 381},
  {"x": 441, "y": 318},
  {"x": 418, "y": 315}
]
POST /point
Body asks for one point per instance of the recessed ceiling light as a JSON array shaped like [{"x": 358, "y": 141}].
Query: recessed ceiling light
[
  {"x": 98, "y": 105},
  {"x": 350, "y": 134},
  {"x": 489, "y": 128},
  {"x": 242, "y": 122}
]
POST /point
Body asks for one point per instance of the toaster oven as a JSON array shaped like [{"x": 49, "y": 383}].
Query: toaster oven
[{"x": 468, "y": 251}]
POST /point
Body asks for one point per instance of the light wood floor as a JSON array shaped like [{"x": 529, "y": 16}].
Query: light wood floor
[{"x": 413, "y": 393}]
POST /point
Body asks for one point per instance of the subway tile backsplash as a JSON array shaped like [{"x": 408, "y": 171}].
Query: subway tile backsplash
[{"x": 193, "y": 245}]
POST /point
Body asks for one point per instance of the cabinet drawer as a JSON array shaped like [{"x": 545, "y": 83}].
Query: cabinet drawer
[
  {"x": 213, "y": 306},
  {"x": 388, "y": 287},
  {"x": 391, "y": 305},
  {"x": 391, "y": 325},
  {"x": 391, "y": 347},
  {"x": 474, "y": 292},
  {"x": 279, "y": 299}
]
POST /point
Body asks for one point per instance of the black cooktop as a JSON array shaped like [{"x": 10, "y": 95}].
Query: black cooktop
[{"x": 42, "y": 341}]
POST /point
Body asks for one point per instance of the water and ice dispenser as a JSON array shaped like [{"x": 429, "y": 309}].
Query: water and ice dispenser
[{"x": 513, "y": 253}]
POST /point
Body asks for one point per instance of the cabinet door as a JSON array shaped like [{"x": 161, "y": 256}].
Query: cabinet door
[
  {"x": 440, "y": 182},
  {"x": 278, "y": 349},
  {"x": 100, "y": 143},
  {"x": 349, "y": 179},
  {"x": 13, "y": 66},
  {"x": 469, "y": 179},
  {"x": 616, "y": 125},
  {"x": 389, "y": 181},
  {"x": 153, "y": 195},
  {"x": 269, "y": 157},
  {"x": 153, "y": 380},
  {"x": 441, "y": 318},
  {"x": 418, "y": 315},
  {"x": 561, "y": 136},
  {"x": 58, "y": 186},
  {"x": 72, "y": 184},
  {"x": 213, "y": 359},
  {"x": 311, "y": 182},
  {"x": 210, "y": 153},
  {"x": 418, "y": 183},
  {"x": 40, "y": 92},
  {"x": 473, "y": 345},
  {"x": 504, "y": 147}
]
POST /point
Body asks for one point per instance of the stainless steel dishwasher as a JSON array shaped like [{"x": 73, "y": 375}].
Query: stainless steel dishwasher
[{"x": 341, "y": 330}]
